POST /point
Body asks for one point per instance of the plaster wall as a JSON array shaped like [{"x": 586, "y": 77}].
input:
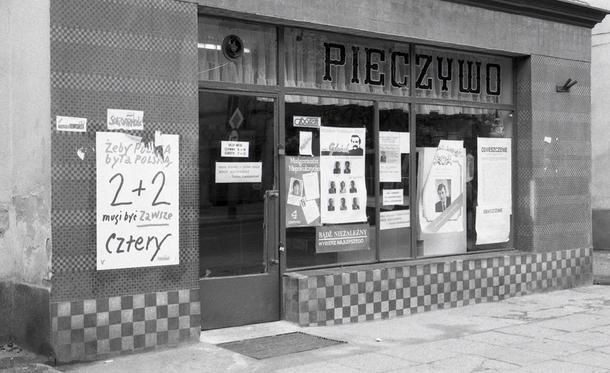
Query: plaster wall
[{"x": 25, "y": 145}]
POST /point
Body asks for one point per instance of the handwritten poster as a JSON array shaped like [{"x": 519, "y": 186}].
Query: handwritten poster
[
  {"x": 303, "y": 199},
  {"x": 394, "y": 219},
  {"x": 343, "y": 188},
  {"x": 118, "y": 119},
  {"x": 389, "y": 157},
  {"x": 137, "y": 202}
]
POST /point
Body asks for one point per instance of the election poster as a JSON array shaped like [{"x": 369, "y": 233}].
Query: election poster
[
  {"x": 338, "y": 238},
  {"x": 389, "y": 157},
  {"x": 303, "y": 197},
  {"x": 137, "y": 202},
  {"x": 441, "y": 196},
  {"x": 343, "y": 188},
  {"x": 494, "y": 200}
]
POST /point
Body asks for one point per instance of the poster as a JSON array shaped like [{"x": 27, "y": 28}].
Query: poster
[
  {"x": 336, "y": 238},
  {"x": 494, "y": 199},
  {"x": 405, "y": 142},
  {"x": 442, "y": 198},
  {"x": 392, "y": 197},
  {"x": 394, "y": 219},
  {"x": 343, "y": 188},
  {"x": 305, "y": 140},
  {"x": 389, "y": 157},
  {"x": 70, "y": 124},
  {"x": 137, "y": 201},
  {"x": 238, "y": 172},
  {"x": 303, "y": 198},
  {"x": 235, "y": 149},
  {"x": 118, "y": 119}
]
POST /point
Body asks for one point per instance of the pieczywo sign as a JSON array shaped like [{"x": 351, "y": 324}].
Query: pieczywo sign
[{"x": 137, "y": 202}]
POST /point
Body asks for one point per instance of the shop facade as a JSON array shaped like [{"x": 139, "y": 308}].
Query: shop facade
[{"x": 218, "y": 164}]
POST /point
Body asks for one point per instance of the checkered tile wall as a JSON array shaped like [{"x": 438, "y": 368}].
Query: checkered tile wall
[
  {"x": 94, "y": 328},
  {"x": 324, "y": 297},
  {"x": 120, "y": 54}
]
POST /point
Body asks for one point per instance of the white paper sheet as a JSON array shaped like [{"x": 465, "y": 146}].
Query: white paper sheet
[
  {"x": 392, "y": 197},
  {"x": 312, "y": 186},
  {"x": 405, "y": 142},
  {"x": 311, "y": 210},
  {"x": 234, "y": 149},
  {"x": 305, "y": 139},
  {"x": 239, "y": 172},
  {"x": 389, "y": 157},
  {"x": 394, "y": 219}
]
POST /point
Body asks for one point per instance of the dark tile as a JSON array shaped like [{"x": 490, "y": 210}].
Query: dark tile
[
  {"x": 115, "y": 344},
  {"x": 161, "y": 312},
  {"x": 126, "y": 329},
  {"x": 77, "y": 308},
  {"x": 91, "y": 348},
  {"x": 150, "y": 326},
  {"x": 63, "y": 323},
  {"x": 172, "y": 297},
  {"x": 114, "y": 317},
  {"x": 184, "y": 309},
  {"x": 172, "y": 323},
  {"x": 150, "y": 299},
  {"x": 139, "y": 341},
  {"x": 53, "y": 309},
  {"x": 126, "y": 302},
  {"x": 195, "y": 321},
  {"x": 103, "y": 332},
  {"x": 77, "y": 335},
  {"x": 101, "y": 305},
  {"x": 90, "y": 320},
  {"x": 194, "y": 295},
  {"x": 162, "y": 338},
  {"x": 138, "y": 314}
]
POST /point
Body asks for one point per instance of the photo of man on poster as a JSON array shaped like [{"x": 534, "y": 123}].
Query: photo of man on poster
[
  {"x": 333, "y": 188},
  {"x": 296, "y": 188},
  {"x": 347, "y": 169},
  {"x": 355, "y": 146},
  {"x": 331, "y": 204},
  {"x": 343, "y": 206},
  {"x": 352, "y": 187},
  {"x": 443, "y": 195},
  {"x": 355, "y": 205},
  {"x": 337, "y": 169}
]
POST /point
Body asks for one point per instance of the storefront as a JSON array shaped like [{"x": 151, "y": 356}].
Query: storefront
[{"x": 225, "y": 164}]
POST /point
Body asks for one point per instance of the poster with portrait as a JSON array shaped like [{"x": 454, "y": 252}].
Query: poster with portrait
[
  {"x": 342, "y": 184},
  {"x": 303, "y": 197},
  {"x": 441, "y": 198}
]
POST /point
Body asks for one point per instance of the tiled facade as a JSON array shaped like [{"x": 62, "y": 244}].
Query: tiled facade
[{"x": 326, "y": 297}]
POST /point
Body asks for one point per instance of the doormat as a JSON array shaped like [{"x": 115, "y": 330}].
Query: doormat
[{"x": 278, "y": 345}]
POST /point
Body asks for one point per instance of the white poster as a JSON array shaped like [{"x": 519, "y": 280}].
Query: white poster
[
  {"x": 394, "y": 219},
  {"x": 494, "y": 199},
  {"x": 343, "y": 188},
  {"x": 492, "y": 225},
  {"x": 70, "y": 124},
  {"x": 137, "y": 201},
  {"x": 405, "y": 142},
  {"x": 392, "y": 197},
  {"x": 305, "y": 139},
  {"x": 239, "y": 172},
  {"x": 131, "y": 120},
  {"x": 235, "y": 149},
  {"x": 389, "y": 157}
]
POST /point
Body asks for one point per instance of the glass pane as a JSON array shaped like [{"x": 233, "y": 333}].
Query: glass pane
[
  {"x": 254, "y": 60},
  {"x": 342, "y": 190},
  {"x": 394, "y": 219},
  {"x": 345, "y": 63},
  {"x": 236, "y": 168},
  {"x": 464, "y": 182},
  {"x": 463, "y": 76}
]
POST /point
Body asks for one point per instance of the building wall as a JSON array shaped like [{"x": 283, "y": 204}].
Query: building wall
[
  {"x": 138, "y": 55},
  {"x": 25, "y": 176}
]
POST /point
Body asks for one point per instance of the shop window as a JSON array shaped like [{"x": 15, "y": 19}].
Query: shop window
[
  {"x": 237, "y": 52},
  {"x": 329, "y": 171},
  {"x": 394, "y": 153},
  {"x": 464, "y": 183},
  {"x": 345, "y": 63}
]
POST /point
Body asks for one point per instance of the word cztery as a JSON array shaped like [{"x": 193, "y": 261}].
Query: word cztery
[
  {"x": 471, "y": 75},
  {"x": 119, "y": 245}
]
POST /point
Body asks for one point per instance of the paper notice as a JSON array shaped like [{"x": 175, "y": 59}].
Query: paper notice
[
  {"x": 311, "y": 210},
  {"x": 393, "y": 197},
  {"x": 405, "y": 142},
  {"x": 305, "y": 138},
  {"x": 312, "y": 186},
  {"x": 309, "y": 122},
  {"x": 389, "y": 157},
  {"x": 70, "y": 124},
  {"x": 236, "y": 149},
  {"x": 394, "y": 219},
  {"x": 492, "y": 224},
  {"x": 494, "y": 172},
  {"x": 130, "y": 120},
  {"x": 239, "y": 172}
]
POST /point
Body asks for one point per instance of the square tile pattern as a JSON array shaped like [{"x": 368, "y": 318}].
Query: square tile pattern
[
  {"x": 93, "y": 328},
  {"x": 315, "y": 299}
]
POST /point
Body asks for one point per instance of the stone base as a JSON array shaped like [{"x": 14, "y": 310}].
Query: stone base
[
  {"x": 384, "y": 290},
  {"x": 25, "y": 317}
]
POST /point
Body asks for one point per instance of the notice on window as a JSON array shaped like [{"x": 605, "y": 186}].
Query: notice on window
[
  {"x": 305, "y": 140},
  {"x": 70, "y": 124},
  {"x": 392, "y": 197},
  {"x": 303, "y": 198},
  {"x": 235, "y": 149},
  {"x": 494, "y": 171},
  {"x": 394, "y": 219},
  {"x": 336, "y": 238},
  {"x": 494, "y": 190},
  {"x": 137, "y": 202},
  {"x": 342, "y": 189},
  {"x": 239, "y": 172},
  {"x": 129, "y": 120},
  {"x": 405, "y": 142},
  {"x": 389, "y": 157},
  {"x": 492, "y": 225},
  {"x": 309, "y": 122}
]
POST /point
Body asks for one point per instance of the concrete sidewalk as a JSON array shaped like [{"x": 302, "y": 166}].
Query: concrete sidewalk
[{"x": 562, "y": 331}]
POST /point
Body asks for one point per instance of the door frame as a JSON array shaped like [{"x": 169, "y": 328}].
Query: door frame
[{"x": 272, "y": 249}]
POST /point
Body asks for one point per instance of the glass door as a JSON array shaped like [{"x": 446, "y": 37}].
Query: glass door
[{"x": 238, "y": 210}]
